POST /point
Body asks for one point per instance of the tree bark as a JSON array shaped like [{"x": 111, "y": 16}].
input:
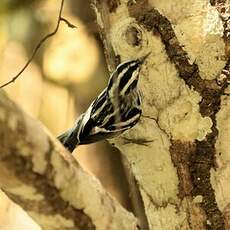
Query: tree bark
[
  {"x": 178, "y": 154},
  {"x": 38, "y": 174}
]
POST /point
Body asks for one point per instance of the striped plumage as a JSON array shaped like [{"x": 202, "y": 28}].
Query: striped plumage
[{"x": 115, "y": 110}]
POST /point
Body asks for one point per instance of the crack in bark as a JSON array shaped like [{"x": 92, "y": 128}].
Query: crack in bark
[
  {"x": 157, "y": 123},
  {"x": 202, "y": 158}
]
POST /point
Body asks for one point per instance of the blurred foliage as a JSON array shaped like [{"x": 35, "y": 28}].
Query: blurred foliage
[{"x": 15, "y": 4}]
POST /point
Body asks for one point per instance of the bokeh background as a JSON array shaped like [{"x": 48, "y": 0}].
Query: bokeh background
[{"x": 68, "y": 72}]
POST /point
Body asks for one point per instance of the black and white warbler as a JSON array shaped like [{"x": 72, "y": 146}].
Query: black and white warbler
[{"x": 115, "y": 110}]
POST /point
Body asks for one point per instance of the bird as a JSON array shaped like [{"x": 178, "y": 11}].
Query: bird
[{"x": 115, "y": 110}]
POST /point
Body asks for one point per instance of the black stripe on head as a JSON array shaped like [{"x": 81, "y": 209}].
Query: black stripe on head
[
  {"x": 125, "y": 65},
  {"x": 128, "y": 75},
  {"x": 120, "y": 68}
]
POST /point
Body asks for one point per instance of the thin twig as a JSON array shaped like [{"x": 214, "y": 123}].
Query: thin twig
[
  {"x": 68, "y": 23},
  {"x": 60, "y": 18}
]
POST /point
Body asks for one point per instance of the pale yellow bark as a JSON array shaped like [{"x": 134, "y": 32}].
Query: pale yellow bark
[{"x": 170, "y": 153}]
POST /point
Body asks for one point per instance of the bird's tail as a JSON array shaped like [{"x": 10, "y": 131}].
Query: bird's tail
[
  {"x": 69, "y": 140},
  {"x": 62, "y": 138}
]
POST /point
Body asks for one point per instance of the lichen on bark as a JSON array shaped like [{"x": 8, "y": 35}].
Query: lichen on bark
[{"x": 182, "y": 91}]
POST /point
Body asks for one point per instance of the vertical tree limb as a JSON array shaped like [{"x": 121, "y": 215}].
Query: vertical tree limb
[{"x": 172, "y": 152}]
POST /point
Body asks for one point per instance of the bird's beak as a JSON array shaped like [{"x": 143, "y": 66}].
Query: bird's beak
[{"x": 142, "y": 59}]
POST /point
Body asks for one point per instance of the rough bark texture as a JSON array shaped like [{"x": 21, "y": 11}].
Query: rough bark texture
[
  {"x": 178, "y": 153},
  {"x": 45, "y": 180}
]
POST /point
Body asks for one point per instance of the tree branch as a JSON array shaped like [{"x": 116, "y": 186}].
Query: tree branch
[
  {"x": 39, "y": 175},
  {"x": 41, "y": 42}
]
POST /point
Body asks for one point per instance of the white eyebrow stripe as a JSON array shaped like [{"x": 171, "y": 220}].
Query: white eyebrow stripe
[
  {"x": 116, "y": 82},
  {"x": 133, "y": 78}
]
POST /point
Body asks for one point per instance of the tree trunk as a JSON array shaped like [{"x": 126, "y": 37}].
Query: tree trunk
[
  {"x": 45, "y": 180},
  {"x": 178, "y": 156}
]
